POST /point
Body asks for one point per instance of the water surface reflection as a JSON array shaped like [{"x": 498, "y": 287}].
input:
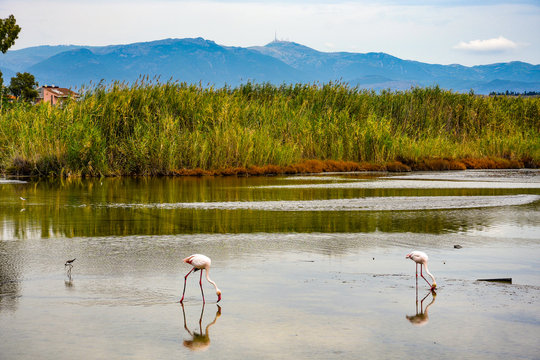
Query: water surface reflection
[
  {"x": 200, "y": 340},
  {"x": 421, "y": 317},
  {"x": 294, "y": 279},
  {"x": 164, "y": 206}
]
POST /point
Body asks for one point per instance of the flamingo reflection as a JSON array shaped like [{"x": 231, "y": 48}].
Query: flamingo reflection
[
  {"x": 200, "y": 341},
  {"x": 421, "y": 318}
]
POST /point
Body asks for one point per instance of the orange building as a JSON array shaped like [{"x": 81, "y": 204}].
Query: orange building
[{"x": 54, "y": 94}]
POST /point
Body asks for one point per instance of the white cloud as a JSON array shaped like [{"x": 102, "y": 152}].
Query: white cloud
[{"x": 500, "y": 44}]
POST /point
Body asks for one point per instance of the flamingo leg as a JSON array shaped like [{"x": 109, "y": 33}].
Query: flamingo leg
[
  {"x": 185, "y": 280},
  {"x": 417, "y": 295},
  {"x": 416, "y": 282},
  {"x": 202, "y": 292},
  {"x": 422, "y": 275}
]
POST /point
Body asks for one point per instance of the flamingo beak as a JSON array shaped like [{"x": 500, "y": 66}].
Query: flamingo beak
[
  {"x": 218, "y": 297},
  {"x": 433, "y": 286}
]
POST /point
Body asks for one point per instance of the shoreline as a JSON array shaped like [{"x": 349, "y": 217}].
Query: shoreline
[
  {"x": 323, "y": 166},
  {"x": 326, "y": 166}
]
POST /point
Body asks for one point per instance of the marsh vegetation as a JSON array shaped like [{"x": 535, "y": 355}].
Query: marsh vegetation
[{"x": 180, "y": 129}]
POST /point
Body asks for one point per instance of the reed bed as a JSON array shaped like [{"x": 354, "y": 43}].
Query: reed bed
[{"x": 184, "y": 129}]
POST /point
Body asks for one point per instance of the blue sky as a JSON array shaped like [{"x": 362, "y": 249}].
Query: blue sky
[{"x": 469, "y": 32}]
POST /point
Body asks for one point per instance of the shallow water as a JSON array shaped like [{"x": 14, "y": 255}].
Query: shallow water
[{"x": 309, "y": 266}]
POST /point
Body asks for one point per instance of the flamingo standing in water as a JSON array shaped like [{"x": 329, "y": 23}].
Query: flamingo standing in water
[
  {"x": 420, "y": 257},
  {"x": 199, "y": 262}
]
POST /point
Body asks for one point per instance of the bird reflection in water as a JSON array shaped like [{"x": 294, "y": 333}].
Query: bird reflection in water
[
  {"x": 421, "y": 318},
  {"x": 200, "y": 341},
  {"x": 68, "y": 281}
]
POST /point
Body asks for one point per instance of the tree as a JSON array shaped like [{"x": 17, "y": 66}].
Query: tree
[
  {"x": 22, "y": 86},
  {"x": 9, "y": 32}
]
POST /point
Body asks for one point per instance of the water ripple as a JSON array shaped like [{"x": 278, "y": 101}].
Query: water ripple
[
  {"x": 412, "y": 184},
  {"x": 7, "y": 181},
  {"x": 357, "y": 204}
]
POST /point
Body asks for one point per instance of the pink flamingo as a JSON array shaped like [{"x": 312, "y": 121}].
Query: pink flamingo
[
  {"x": 199, "y": 262},
  {"x": 421, "y": 258}
]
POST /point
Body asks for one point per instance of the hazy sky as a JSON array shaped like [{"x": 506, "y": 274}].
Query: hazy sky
[{"x": 439, "y": 31}]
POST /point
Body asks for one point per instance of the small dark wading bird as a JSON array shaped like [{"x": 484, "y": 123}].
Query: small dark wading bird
[
  {"x": 421, "y": 258},
  {"x": 69, "y": 265},
  {"x": 200, "y": 262}
]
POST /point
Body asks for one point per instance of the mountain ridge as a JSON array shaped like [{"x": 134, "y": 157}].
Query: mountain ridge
[{"x": 197, "y": 60}]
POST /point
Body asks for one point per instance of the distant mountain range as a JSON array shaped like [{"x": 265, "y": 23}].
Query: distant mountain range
[{"x": 203, "y": 61}]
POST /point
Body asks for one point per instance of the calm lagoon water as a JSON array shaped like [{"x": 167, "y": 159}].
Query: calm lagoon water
[{"x": 309, "y": 266}]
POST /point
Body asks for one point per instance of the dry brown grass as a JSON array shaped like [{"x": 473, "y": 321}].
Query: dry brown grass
[
  {"x": 438, "y": 165},
  {"x": 322, "y": 166},
  {"x": 192, "y": 172},
  {"x": 492, "y": 163},
  {"x": 397, "y": 166}
]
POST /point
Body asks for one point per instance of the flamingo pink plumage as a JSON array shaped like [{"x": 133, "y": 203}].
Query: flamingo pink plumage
[
  {"x": 420, "y": 257},
  {"x": 200, "y": 262}
]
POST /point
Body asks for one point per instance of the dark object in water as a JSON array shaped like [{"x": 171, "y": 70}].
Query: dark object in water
[
  {"x": 503, "y": 280},
  {"x": 69, "y": 266},
  {"x": 457, "y": 246}
]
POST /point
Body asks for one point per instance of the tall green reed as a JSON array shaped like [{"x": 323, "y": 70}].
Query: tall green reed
[{"x": 152, "y": 128}]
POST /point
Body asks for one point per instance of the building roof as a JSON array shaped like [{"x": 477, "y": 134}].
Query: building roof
[{"x": 57, "y": 91}]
